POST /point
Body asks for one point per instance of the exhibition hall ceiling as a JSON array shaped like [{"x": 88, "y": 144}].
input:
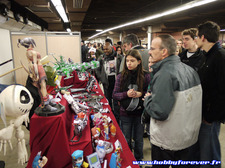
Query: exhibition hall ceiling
[{"x": 88, "y": 15}]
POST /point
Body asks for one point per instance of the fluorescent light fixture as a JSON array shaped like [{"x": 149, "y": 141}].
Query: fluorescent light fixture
[
  {"x": 60, "y": 9},
  {"x": 99, "y": 30},
  {"x": 168, "y": 12},
  {"x": 222, "y": 30},
  {"x": 68, "y": 30}
]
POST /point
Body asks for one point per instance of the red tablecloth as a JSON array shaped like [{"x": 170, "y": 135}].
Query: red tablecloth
[{"x": 52, "y": 136}]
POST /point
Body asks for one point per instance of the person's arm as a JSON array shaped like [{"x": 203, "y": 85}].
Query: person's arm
[
  {"x": 98, "y": 70},
  {"x": 160, "y": 103},
  {"x": 122, "y": 64},
  {"x": 218, "y": 93},
  {"x": 117, "y": 94},
  {"x": 35, "y": 60}
]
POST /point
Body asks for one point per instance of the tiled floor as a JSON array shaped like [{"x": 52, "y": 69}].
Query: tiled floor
[{"x": 11, "y": 156}]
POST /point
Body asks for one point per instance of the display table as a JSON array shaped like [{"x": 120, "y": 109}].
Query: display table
[{"x": 52, "y": 136}]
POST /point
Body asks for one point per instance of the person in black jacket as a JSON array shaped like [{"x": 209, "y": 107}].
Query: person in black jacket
[
  {"x": 109, "y": 64},
  {"x": 191, "y": 55},
  {"x": 84, "y": 52},
  {"x": 212, "y": 76}
]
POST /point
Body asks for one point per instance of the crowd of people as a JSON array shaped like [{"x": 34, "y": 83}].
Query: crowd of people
[{"x": 177, "y": 88}]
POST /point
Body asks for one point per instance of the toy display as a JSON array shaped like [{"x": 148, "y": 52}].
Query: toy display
[
  {"x": 115, "y": 161},
  {"x": 95, "y": 131},
  {"x": 106, "y": 127},
  {"x": 80, "y": 122},
  {"x": 108, "y": 146},
  {"x": 16, "y": 101},
  {"x": 77, "y": 158},
  {"x": 37, "y": 72},
  {"x": 93, "y": 160},
  {"x": 113, "y": 130},
  {"x": 100, "y": 149},
  {"x": 76, "y": 106},
  {"x": 67, "y": 67},
  {"x": 51, "y": 75},
  {"x": 39, "y": 161}
]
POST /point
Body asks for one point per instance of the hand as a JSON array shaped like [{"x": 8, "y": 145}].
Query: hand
[
  {"x": 131, "y": 93},
  {"x": 146, "y": 95},
  {"x": 138, "y": 94}
]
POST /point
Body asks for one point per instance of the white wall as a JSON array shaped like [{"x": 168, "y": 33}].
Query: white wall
[{"x": 5, "y": 55}]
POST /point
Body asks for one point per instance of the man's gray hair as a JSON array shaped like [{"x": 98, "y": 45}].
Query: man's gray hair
[
  {"x": 131, "y": 38},
  {"x": 169, "y": 43}
]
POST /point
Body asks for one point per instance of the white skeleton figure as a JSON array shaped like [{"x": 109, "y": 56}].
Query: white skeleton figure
[{"x": 15, "y": 101}]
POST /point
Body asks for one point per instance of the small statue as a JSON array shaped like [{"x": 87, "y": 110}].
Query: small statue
[
  {"x": 113, "y": 130},
  {"x": 16, "y": 102},
  {"x": 39, "y": 161},
  {"x": 115, "y": 161},
  {"x": 95, "y": 131},
  {"x": 80, "y": 122},
  {"x": 100, "y": 149},
  {"x": 77, "y": 158},
  {"x": 106, "y": 128},
  {"x": 37, "y": 72}
]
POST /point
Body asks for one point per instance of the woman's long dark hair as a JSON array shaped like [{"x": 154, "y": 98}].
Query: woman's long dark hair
[{"x": 140, "y": 71}]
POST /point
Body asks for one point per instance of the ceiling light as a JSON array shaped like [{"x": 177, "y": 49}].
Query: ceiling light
[
  {"x": 99, "y": 30},
  {"x": 222, "y": 30},
  {"x": 180, "y": 8},
  {"x": 60, "y": 9}
]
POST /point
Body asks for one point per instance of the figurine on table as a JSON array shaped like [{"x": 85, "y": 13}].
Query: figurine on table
[
  {"x": 37, "y": 72},
  {"x": 106, "y": 127},
  {"x": 39, "y": 161},
  {"x": 115, "y": 161},
  {"x": 100, "y": 149},
  {"x": 77, "y": 157},
  {"x": 95, "y": 131}
]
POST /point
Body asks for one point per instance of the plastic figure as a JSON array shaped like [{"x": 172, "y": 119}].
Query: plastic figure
[
  {"x": 39, "y": 161},
  {"x": 106, "y": 128},
  {"x": 85, "y": 164},
  {"x": 95, "y": 131},
  {"x": 79, "y": 123},
  {"x": 100, "y": 149},
  {"x": 115, "y": 161},
  {"x": 37, "y": 72},
  {"x": 113, "y": 130},
  {"x": 15, "y": 101},
  {"x": 77, "y": 158}
]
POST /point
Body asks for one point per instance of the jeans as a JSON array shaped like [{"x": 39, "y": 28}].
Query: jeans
[
  {"x": 129, "y": 125},
  {"x": 209, "y": 143},
  {"x": 160, "y": 155},
  {"x": 208, "y": 146}
]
